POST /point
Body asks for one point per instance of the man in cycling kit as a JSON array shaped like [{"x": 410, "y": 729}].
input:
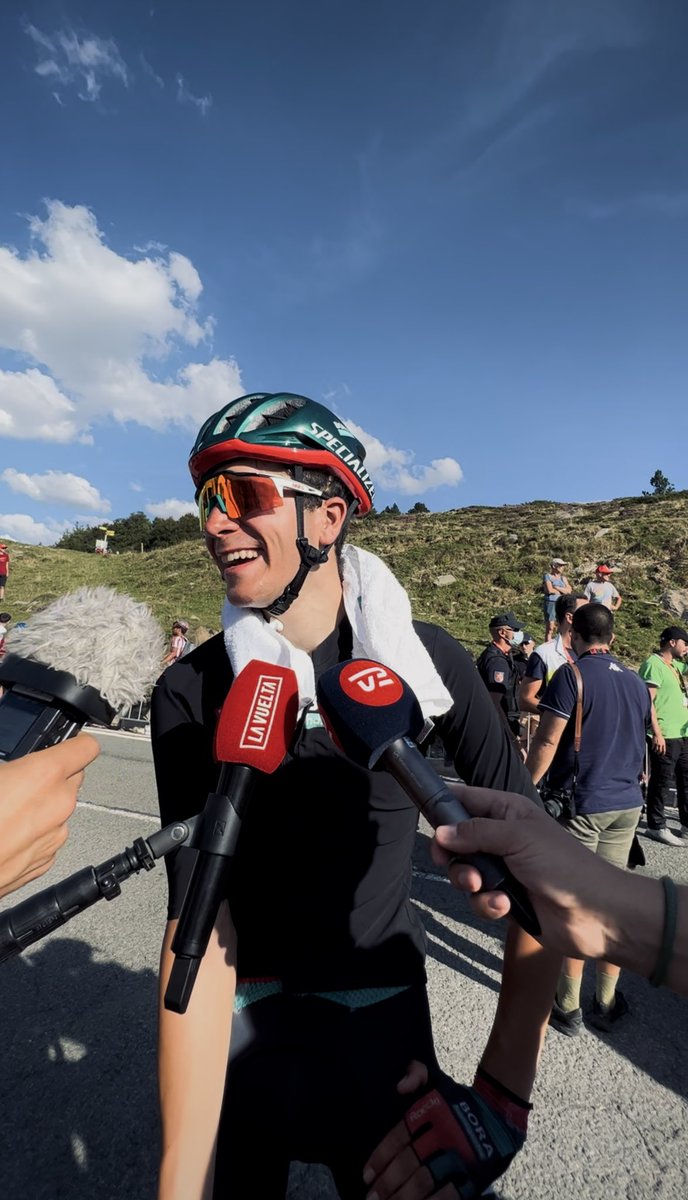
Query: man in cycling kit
[{"x": 310, "y": 1003}]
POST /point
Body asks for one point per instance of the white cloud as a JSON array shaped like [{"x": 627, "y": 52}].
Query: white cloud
[
  {"x": 184, "y": 96},
  {"x": 84, "y": 63},
  {"x": 32, "y": 406},
  {"x": 395, "y": 471},
  {"x": 150, "y": 72},
  {"x": 56, "y": 487},
  {"x": 136, "y": 487},
  {"x": 171, "y": 508},
  {"x": 23, "y": 528},
  {"x": 96, "y": 328}
]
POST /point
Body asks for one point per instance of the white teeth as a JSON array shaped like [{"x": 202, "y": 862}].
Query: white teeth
[{"x": 237, "y": 556}]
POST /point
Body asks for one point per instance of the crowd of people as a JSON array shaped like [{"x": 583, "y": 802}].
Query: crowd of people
[
  {"x": 308, "y": 1028},
  {"x": 599, "y": 740}
]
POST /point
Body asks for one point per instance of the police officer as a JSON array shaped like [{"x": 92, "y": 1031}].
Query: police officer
[{"x": 497, "y": 669}]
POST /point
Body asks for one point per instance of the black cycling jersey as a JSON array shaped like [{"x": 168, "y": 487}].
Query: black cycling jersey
[{"x": 319, "y": 892}]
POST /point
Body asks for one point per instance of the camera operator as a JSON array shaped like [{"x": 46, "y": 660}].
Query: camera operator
[
  {"x": 595, "y": 792},
  {"x": 38, "y": 797}
]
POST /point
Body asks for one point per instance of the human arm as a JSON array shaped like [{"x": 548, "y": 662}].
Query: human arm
[
  {"x": 616, "y": 603},
  {"x": 544, "y": 744},
  {"x": 484, "y": 754},
  {"x": 183, "y": 709},
  {"x": 193, "y": 1048},
  {"x": 38, "y": 796},
  {"x": 528, "y": 694},
  {"x": 550, "y": 589},
  {"x": 532, "y": 684},
  {"x": 586, "y": 907},
  {"x": 658, "y": 740}
]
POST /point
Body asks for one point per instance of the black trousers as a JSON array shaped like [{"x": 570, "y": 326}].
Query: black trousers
[
  {"x": 665, "y": 770},
  {"x": 312, "y": 1081}
]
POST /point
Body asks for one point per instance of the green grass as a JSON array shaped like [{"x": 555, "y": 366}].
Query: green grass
[{"x": 497, "y": 556}]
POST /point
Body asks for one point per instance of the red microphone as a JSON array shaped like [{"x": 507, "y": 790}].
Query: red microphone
[{"x": 253, "y": 734}]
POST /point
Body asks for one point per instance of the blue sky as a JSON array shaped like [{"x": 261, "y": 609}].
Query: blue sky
[{"x": 462, "y": 223}]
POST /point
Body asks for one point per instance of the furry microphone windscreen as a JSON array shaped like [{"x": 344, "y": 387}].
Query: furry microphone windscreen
[{"x": 102, "y": 638}]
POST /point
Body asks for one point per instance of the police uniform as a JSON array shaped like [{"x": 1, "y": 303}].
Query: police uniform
[{"x": 498, "y": 672}]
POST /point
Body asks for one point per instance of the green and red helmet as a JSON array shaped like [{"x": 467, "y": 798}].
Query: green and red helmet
[{"x": 282, "y": 428}]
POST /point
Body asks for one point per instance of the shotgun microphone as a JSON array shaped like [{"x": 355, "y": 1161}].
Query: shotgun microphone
[
  {"x": 375, "y": 718},
  {"x": 85, "y": 657},
  {"x": 252, "y": 737}
]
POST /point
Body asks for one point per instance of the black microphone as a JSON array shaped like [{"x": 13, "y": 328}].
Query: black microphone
[
  {"x": 253, "y": 734},
  {"x": 86, "y": 657},
  {"x": 375, "y": 718}
]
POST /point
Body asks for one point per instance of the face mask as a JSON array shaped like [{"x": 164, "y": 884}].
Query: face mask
[{"x": 517, "y": 638}]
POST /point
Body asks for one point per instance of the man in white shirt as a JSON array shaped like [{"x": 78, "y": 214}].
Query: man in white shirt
[{"x": 549, "y": 656}]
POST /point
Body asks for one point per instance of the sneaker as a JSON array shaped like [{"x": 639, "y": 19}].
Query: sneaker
[
  {"x": 665, "y": 836},
  {"x": 568, "y": 1023},
  {"x": 605, "y": 1016}
]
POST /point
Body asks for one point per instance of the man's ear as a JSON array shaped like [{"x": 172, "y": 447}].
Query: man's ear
[{"x": 332, "y": 514}]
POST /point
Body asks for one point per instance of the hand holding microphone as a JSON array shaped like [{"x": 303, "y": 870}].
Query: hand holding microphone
[
  {"x": 375, "y": 718},
  {"x": 38, "y": 797}
]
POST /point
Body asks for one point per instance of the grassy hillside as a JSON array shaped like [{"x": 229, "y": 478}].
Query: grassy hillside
[{"x": 496, "y": 555}]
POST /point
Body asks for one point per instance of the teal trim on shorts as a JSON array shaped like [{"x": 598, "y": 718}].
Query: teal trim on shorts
[{"x": 251, "y": 991}]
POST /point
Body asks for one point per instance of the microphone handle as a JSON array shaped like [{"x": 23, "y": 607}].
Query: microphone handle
[
  {"x": 215, "y": 839},
  {"x": 35, "y": 918},
  {"x": 439, "y": 806},
  {"x": 28, "y": 922}
]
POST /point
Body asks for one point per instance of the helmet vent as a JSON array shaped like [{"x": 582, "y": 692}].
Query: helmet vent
[
  {"x": 273, "y": 414},
  {"x": 234, "y": 410}
]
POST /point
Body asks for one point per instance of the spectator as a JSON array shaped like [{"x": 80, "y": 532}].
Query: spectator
[
  {"x": 601, "y": 590},
  {"x": 664, "y": 673},
  {"x": 4, "y": 568},
  {"x": 523, "y": 653},
  {"x": 5, "y": 619},
  {"x": 178, "y": 642},
  {"x": 554, "y": 584},
  {"x": 549, "y": 656},
  {"x": 602, "y": 781},
  {"x": 497, "y": 670}
]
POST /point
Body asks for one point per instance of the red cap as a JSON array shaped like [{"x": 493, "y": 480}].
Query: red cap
[{"x": 603, "y": 569}]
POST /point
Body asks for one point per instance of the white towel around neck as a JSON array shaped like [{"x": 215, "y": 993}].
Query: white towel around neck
[{"x": 379, "y": 612}]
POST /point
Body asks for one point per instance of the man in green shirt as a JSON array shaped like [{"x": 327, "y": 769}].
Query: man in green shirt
[{"x": 665, "y": 674}]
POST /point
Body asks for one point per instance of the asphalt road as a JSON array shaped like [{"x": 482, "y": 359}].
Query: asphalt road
[{"x": 77, "y": 1090}]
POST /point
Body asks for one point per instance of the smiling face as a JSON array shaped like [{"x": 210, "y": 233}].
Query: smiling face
[{"x": 256, "y": 554}]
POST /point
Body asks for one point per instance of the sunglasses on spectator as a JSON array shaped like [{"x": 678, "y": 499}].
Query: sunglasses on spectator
[{"x": 240, "y": 495}]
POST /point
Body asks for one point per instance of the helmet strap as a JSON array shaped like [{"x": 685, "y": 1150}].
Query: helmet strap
[{"x": 311, "y": 556}]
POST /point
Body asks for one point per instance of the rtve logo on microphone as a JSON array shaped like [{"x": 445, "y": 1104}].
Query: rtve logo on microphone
[
  {"x": 371, "y": 683},
  {"x": 261, "y": 714}
]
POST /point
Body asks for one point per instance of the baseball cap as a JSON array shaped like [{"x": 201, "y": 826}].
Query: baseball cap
[
  {"x": 527, "y": 637},
  {"x": 558, "y": 562},
  {"x": 507, "y": 619},
  {"x": 604, "y": 569},
  {"x": 672, "y": 634},
  {"x": 181, "y": 623}
]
